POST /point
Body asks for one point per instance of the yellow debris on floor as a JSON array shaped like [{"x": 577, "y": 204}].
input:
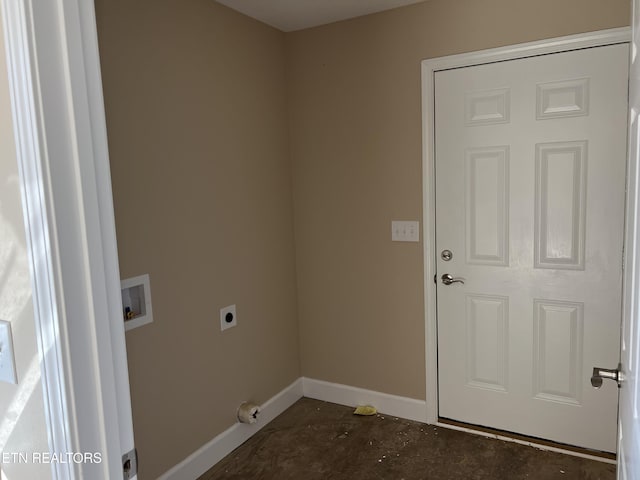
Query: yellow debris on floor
[{"x": 365, "y": 410}]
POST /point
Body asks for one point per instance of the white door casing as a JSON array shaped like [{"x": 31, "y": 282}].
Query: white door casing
[
  {"x": 608, "y": 37},
  {"x": 629, "y": 421},
  {"x": 61, "y": 143}
]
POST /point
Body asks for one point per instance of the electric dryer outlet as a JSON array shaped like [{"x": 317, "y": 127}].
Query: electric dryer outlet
[{"x": 228, "y": 317}]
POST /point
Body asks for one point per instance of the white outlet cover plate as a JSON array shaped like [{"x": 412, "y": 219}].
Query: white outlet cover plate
[
  {"x": 7, "y": 358},
  {"x": 224, "y": 324}
]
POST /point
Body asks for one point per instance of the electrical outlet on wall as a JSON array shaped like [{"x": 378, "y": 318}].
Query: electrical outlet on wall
[{"x": 228, "y": 317}]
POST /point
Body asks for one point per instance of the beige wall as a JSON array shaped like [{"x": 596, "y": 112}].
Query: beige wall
[
  {"x": 355, "y": 119},
  {"x": 22, "y": 422},
  {"x": 209, "y": 114},
  {"x": 195, "y": 106}
]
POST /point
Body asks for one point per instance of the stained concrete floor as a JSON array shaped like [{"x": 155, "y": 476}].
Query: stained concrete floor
[{"x": 316, "y": 440}]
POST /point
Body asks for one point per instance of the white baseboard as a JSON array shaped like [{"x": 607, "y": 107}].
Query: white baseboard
[
  {"x": 212, "y": 452},
  {"x": 222, "y": 445},
  {"x": 392, "y": 405}
]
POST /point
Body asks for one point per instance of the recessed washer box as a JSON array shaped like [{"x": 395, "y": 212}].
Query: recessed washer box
[{"x": 136, "y": 301}]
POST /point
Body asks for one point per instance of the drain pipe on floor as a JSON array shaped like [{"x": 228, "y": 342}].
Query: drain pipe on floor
[{"x": 248, "y": 412}]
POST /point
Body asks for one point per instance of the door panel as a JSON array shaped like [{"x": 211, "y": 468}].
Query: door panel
[{"x": 530, "y": 174}]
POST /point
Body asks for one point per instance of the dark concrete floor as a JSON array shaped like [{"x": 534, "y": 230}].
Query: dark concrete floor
[{"x": 316, "y": 440}]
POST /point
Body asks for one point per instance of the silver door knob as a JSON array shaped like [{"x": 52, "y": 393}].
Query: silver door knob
[{"x": 448, "y": 279}]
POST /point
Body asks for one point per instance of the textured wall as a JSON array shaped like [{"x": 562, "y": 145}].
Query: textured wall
[
  {"x": 195, "y": 106},
  {"x": 355, "y": 126}
]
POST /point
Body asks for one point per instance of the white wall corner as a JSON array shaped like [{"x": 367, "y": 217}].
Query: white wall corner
[
  {"x": 393, "y": 405},
  {"x": 222, "y": 445}
]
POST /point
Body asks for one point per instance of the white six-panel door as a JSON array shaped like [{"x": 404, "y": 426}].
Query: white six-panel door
[{"x": 530, "y": 179}]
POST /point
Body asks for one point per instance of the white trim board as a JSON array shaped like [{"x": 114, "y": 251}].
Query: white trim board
[
  {"x": 393, "y": 405},
  {"x": 429, "y": 67},
  {"x": 29, "y": 152},
  {"x": 222, "y": 445},
  {"x": 411, "y": 409},
  {"x": 61, "y": 146}
]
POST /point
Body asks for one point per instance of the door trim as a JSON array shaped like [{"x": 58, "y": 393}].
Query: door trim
[
  {"x": 429, "y": 68},
  {"x": 61, "y": 147}
]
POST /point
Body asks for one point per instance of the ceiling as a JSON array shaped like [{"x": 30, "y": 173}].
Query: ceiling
[{"x": 290, "y": 15}]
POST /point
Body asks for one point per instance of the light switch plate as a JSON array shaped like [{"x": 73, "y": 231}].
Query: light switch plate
[
  {"x": 7, "y": 358},
  {"x": 402, "y": 231}
]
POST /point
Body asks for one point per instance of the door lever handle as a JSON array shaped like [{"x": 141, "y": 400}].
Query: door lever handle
[
  {"x": 448, "y": 279},
  {"x": 605, "y": 373}
]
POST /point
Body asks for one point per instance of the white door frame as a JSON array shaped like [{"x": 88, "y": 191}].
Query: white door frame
[
  {"x": 61, "y": 145},
  {"x": 429, "y": 67}
]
